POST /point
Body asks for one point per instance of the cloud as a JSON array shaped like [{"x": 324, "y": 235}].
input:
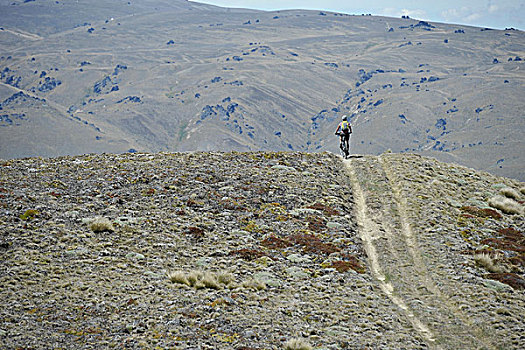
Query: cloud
[
  {"x": 398, "y": 12},
  {"x": 463, "y": 15},
  {"x": 473, "y": 17},
  {"x": 493, "y": 8},
  {"x": 414, "y": 13}
]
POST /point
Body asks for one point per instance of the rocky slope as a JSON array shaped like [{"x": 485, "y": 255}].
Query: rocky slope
[
  {"x": 84, "y": 76},
  {"x": 257, "y": 250}
]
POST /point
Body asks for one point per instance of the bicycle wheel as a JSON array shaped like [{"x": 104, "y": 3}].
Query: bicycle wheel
[{"x": 342, "y": 148}]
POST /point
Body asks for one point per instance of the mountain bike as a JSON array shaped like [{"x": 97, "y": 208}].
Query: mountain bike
[{"x": 343, "y": 146}]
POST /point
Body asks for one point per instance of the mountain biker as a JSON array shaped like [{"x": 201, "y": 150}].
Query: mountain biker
[{"x": 343, "y": 131}]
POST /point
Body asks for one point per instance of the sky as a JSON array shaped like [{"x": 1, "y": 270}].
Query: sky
[{"x": 497, "y": 14}]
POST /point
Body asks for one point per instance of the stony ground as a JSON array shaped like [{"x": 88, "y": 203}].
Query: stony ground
[{"x": 252, "y": 250}]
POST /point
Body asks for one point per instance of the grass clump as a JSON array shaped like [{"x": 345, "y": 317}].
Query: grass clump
[
  {"x": 209, "y": 280},
  {"x": 201, "y": 280},
  {"x": 488, "y": 262},
  {"x": 254, "y": 284},
  {"x": 101, "y": 225},
  {"x": 506, "y": 205},
  {"x": 510, "y": 193},
  {"x": 297, "y": 344},
  {"x": 225, "y": 278},
  {"x": 179, "y": 277}
]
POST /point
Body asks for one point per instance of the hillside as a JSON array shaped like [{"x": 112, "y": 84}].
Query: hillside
[
  {"x": 253, "y": 250},
  {"x": 152, "y": 75}
]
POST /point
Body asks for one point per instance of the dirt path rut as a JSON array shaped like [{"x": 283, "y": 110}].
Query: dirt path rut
[{"x": 397, "y": 262}]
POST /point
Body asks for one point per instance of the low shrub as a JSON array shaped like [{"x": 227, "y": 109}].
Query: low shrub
[
  {"x": 482, "y": 213},
  {"x": 510, "y": 279},
  {"x": 324, "y": 208},
  {"x": 312, "y": 244},
  {"x": 248, "y": 254},
  {"x": 274, "y": 242}
]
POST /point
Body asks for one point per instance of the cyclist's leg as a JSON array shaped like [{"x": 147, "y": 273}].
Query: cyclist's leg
[{"x": 347, "y": 146}]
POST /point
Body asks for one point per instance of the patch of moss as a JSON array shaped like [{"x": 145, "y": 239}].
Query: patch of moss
[
  {"x": 252, "y": 227},
  {"x": 29, "y": 215}
]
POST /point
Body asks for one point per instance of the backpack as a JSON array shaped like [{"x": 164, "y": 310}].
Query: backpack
[{"x": 345, "y": 127}]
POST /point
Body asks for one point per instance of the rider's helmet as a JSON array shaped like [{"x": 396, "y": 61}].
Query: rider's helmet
[{"x": 344, "y": 117}]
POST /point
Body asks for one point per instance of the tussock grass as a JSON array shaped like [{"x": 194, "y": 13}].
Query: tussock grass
[
  {"x": 297, "y": 344},
  {"x": 101, "y": 224},
  {"x": 506, "y": 205},
  {"x": 225, "y": 278},
  {"x": 253, "y": 284},
  {"x": 210, "y": 281},
  {"x": 179, "y": 277},
  {"x": 510, "y": 193},
  {"x": 194, "y": 277},
  {"x": 200, "y": 280},
  {"x": 488, "y": 262}
]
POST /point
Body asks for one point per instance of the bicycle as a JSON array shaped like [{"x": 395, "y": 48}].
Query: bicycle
[{"x": 343, "y": 146}]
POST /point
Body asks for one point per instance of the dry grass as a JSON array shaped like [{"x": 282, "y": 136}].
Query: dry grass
[
  {"x": 101, "y": 224},
  {"x": 254, "y": 284},
  {"x": 297, "y": 344},
  {"x": 225, "y": 278},
  {"x": 209, "y": 280},
  {"x": 510, "y": 193},
  {"x": 488, "y": 262},
  {"x": 179, "y": 277},
  {"x": 506, "y": 205},
  {"x": 200, "y": 280}
]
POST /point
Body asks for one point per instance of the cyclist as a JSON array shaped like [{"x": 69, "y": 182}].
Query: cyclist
[{"x": 343, "y": 131}]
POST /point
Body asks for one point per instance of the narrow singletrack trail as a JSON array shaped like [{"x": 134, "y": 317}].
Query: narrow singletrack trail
[{"x": 396, "y": 260}]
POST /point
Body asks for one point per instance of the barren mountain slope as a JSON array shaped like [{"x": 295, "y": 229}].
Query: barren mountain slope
[
  {"x": 253, "y": 250},
  {"x": 152, "y": 75}
]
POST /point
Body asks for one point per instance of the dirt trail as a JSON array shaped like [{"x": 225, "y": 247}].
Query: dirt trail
[{"x": 397, "y": 263}]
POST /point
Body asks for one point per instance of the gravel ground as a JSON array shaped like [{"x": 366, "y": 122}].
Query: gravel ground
[{"x": 253, "y": 250}]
